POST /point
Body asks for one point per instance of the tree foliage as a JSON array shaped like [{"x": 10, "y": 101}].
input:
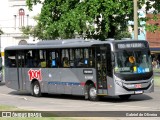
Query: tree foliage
[{"x": 98, "y": 19}]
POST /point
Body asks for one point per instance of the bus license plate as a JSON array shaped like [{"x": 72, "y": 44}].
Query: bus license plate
[
  {"x": 138, "y": 92},
  {"x": 138, "y": 86}
]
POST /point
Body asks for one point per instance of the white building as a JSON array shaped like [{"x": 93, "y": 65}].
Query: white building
[{"x": 15, "y": 15}]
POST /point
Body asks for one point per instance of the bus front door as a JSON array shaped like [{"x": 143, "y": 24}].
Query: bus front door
[
  {"x": 101, "y": 65},
  {"x": 21, "y": 70}
]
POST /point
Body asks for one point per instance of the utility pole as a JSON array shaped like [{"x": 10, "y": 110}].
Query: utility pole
[{"x": 135, "y": 20}]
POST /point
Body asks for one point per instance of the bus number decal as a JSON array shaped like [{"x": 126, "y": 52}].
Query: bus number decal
[{"x": 35, "y": 74}]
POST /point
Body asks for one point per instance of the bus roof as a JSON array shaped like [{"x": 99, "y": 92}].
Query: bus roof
[{"x": 67, "y": 43}]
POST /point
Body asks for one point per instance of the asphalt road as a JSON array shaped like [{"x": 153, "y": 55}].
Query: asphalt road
[{"x": 144, "y": 102}]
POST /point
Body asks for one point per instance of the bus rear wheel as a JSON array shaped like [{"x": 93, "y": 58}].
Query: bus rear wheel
[
  {"x": 92, "y": 93},
  {"x": 36, "y": 89},
  {"x": 124, "y": 97}
]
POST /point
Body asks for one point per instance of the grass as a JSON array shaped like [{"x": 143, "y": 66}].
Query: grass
[
  {"x": 6, "y": 107},
  {"x": 156, "y": 70},
  {"x": 157, "y": 77},
  {"x": 157, "y": 80}
]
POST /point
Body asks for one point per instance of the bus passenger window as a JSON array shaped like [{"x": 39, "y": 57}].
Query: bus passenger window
[
  {"x": 86, "y": 61},
  {"x": 36, "y": 63},
  {"x": 10, "y": 59},
  {"x": 9, "y": 63},
  {"x": 66, "y": 62},
  {"x": 80, "y": 62},
  {"x": 29, "y": 60},
  {"x": 43, "y": 64},
  {"x": 53, "y": 64},
  {"x": 54, "y": 59}
]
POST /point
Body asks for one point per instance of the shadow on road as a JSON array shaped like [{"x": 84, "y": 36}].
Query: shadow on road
[
  {"x": 20, "y": 93},
  {"x": 116, "y": 99},
  {"x": 2, "y": 83}
]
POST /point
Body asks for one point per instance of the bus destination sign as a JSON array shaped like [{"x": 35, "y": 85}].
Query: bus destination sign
[{"x": 130, "y": 45}]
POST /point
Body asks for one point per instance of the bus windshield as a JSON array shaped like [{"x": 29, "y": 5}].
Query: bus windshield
[{"x": 130, "y": 62}]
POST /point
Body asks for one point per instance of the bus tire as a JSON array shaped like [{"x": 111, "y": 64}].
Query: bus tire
[
  {"x": 124, "y": 97},
  {"x": 36, "y": 89},
  {"x": 92, "y": 93}
]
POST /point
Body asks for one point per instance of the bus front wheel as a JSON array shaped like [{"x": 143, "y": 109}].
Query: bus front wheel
[
  {"x": 36, "y": 89},
  {"x": 124, "y": 97},
  {"x": 92, "y": 93}
]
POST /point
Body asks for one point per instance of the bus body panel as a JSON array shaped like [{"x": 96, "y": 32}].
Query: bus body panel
[
  {"x": 11, "y": 78},
  {"x": 69, "y": 80},
  {"x": 111, "y": 86},
  {"x": 61, "y": 80},
  {"x": 52, "y": 81},
  {"x": 81, "y": 78},
  {"x": 22, "y": 78}
]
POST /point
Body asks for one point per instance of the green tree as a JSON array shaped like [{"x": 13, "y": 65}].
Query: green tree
[
  {"x": 98, "y": 19},
  {"x": 119, "y": 34},
  {"x": 33, "y": 31}
]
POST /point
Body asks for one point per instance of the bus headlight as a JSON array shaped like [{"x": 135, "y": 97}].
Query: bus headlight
[
  {"x": 118, "y": 81},
  {"x": 152, "y": 80},
  {"x": 117, "y": 78}
]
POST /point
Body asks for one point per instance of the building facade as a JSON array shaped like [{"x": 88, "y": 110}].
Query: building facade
[
  {"x": 17, "y": 15},
  {"x": 153, "y": 37}
]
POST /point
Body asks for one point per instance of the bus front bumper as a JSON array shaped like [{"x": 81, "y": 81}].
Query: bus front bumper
[{"x": 134, "y": 87}]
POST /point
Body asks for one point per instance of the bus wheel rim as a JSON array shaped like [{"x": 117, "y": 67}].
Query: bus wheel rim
[
  {"x": 36, "y": 89},
  {"x": 93, "y": 92}
]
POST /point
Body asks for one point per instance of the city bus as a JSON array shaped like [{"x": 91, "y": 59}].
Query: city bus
[{"x": 89, "y": 68}]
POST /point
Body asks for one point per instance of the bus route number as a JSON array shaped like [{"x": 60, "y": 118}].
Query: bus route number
[{"x": 35, "y": 74}]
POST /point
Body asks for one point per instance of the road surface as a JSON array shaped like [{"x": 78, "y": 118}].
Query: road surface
[{"x": 23, "y": 100}]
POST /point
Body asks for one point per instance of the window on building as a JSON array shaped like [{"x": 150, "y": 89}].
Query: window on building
[
  {"x": 21, "y": 17},
  {"x": 139, "y": 31}
]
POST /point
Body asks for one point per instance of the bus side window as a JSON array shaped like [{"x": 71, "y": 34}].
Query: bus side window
[
  {"x": 72, "y": 57},
  {"x": 54, "y": 59},
  {"x": 53, "y": 63},
  {"x": 79, "y": 62},
  {"x": 41, "y": 58},
  {"x": 29, "y": 60},
  {"x": 66, "y": 62},
  {"x": 91, "y": 58},
  {"x": 43, "y": 63},
  {"x": 9, "y": 63},
  {"x": 65, "y": 58},
  {"x": 10, "y": 59}
]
